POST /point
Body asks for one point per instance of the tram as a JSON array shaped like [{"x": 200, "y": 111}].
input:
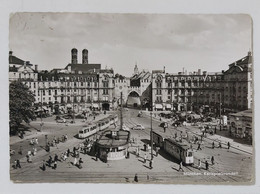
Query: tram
[
  {"x": 91, "y": 129},
  {"x": 179, "y": 150}
]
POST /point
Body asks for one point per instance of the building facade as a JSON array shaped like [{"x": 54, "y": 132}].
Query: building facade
[
  {"x": 83, "y": 85},
  {"x": 220, "y": 92}
]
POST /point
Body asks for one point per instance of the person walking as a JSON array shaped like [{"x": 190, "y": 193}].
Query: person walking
[
  {"x": 136, "y": 178},
  {"x": 50, "y": 161},
  {"x": 219, "y": 145},
  {"x": 55, "y": 158},
  {"x": 43, "y": 165},
  {"x": 55, "y": 165},
  {"x": 15, "y": 164},
  {"x": 36, "y": 141},
  {"x": 215, "y": 131},
  {"x": 228, "y": 144},
  {"x": 199, "y": 147},
  {"x": 199, "y": 164},
  {"x": 213, "y": 145},
  {"x": 68, "y": 152},
  {"x": 180, "y": 167},
  {"x": 207, "y": 165},
  {"x": 157, "y": 151},
  {"x": 145, "y": 157},
  {"x": 75, "y": 161},
  {"x": 18, "y": 165},
  {"x": 151, "y": 164},
  {"x": 80, "y": 163},
  {"x": 212, "y": 160}
]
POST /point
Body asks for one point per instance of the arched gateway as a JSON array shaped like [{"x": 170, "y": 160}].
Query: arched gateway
[{"x": 133, "y": 100}]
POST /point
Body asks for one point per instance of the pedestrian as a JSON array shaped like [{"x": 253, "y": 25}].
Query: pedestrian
[
  {"x": 68, "y": 152},
  {"x": 145, "y": 157},
  {"x": 228, "y": 144},
  {"x": 136, "y": 178},
  {"x": 201, "y": 137},
  {"x": 213, "y": 145},
  {"x": 43, "y": 166},
  {"x": 151, "y": 164},
  {"x": 80, "y": 163},
  {"x": 199, "y": 148},
  {"x": 55, "y": 165},
  {"x": 94, "y": 117},
  {"x": 74, "y": 151},
  {"x": 219, "y": 145},
  {"x": 49, "y": 161},
  {"x": 157, "y": 151},
  {"x": 215, "y": 130},
  {"x": 207, "y": 165},
  {"x": 29, "y": 158},
  {"x": 175, "y": 135},
  {"x": 55, "y": 157},
  {"x": 75, "y": 161},
  {"x": 212, "y": 160},
  {"x": 15, "y": 164},
  {"x": 180, "y": 166},
  {"x": 96, "y": 156},
  {"x": 199, "y": 164},
  {"x": 164, "y": 129},
  {"x": 36, "y": 141}
]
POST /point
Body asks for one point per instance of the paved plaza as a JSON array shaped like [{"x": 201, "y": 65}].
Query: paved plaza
[{"x": 231, "y": 165}]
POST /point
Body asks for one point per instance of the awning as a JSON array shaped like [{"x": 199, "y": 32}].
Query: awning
[
  {"x": 158, "y": 106},
  {"x": 168, "y": 106},
  {"x": 95, "y": 105}
]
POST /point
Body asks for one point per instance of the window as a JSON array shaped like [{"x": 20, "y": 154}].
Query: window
[
  {"x": 49, "y": 98},
  {"x": 43, "y": 92},
  {"x": 49, "y": 92},
  {"x": 81, "y": 83},
  {"x": 55, "y": 92},
  {"x": 34, "y": 85},
  {"x": 169, "y": 91}
]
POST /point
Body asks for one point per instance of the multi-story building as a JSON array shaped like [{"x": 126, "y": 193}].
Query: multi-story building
[
  {"x": 82, "y": 85},
  {"x": 77, "y": 85},
  {"x": 223, "y": 91}
]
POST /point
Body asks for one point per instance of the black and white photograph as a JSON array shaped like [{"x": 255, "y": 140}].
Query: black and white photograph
[{"x": 131, "y": 98}]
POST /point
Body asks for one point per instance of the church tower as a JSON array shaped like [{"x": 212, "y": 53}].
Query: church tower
[
  {"x": 84, "y": 56},
  {"x": 74, "y": 56}
]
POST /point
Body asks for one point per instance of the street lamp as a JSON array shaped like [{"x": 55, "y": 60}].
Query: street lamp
[{"x": 151, "y": 135}]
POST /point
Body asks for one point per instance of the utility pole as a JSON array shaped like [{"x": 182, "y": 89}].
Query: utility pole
[
  {"x": 220, "y": 104},
  {"x": 151, "y": 135},
  {"x": 41, "y": 125},
  {"x": 73, "y": 114},
  {"x": 121, "y": 112}
]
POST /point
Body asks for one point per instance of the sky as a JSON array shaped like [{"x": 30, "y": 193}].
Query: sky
[{"x": 119, "y": 41}]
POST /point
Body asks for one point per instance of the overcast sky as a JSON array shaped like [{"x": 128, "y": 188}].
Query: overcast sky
[{"x": 207, "y": 42}]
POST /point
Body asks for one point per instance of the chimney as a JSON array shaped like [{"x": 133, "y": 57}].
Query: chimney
[
  {"x": 10, "y": 53},
  {"x": 36, "y": 68},
  {"x": 199, "y": 71}
]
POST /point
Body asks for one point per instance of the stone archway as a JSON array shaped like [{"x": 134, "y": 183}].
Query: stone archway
[{"x": 133, "y": 100}]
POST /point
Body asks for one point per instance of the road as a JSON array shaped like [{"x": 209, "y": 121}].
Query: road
[{"x": 235, "y": 162}]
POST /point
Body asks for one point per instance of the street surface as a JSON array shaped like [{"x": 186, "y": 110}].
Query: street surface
[{"x": 231, "y": 165}]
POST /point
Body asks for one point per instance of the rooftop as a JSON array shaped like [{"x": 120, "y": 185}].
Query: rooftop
[{"x": 108, "y": 140}]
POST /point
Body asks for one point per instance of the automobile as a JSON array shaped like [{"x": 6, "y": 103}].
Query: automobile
[
  {"x": 61, "y": 120},
  {"x": 126, "y": 109},
  {"x": 138, "y": 127}
]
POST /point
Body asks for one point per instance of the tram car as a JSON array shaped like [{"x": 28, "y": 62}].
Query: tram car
[
  {"x": 178, "y": 150},
  {"x": 91, "y": 129},
  {"x": 158, "y": 139},
  {"x": 87, "y": 130}
]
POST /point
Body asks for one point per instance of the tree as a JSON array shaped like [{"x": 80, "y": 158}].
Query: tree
[{"x": 20, "y": 105}]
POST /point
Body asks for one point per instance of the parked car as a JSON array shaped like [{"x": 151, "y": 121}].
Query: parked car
[{"x": 138, "y": 127}]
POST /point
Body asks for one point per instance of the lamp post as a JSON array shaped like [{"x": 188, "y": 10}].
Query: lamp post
[
  {"x": 151, "y": 135},
  {"x": 41, "y": 124}
]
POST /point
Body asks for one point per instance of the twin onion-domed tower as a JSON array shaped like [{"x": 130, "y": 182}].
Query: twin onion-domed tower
[{"x": 74, "y": 56}]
